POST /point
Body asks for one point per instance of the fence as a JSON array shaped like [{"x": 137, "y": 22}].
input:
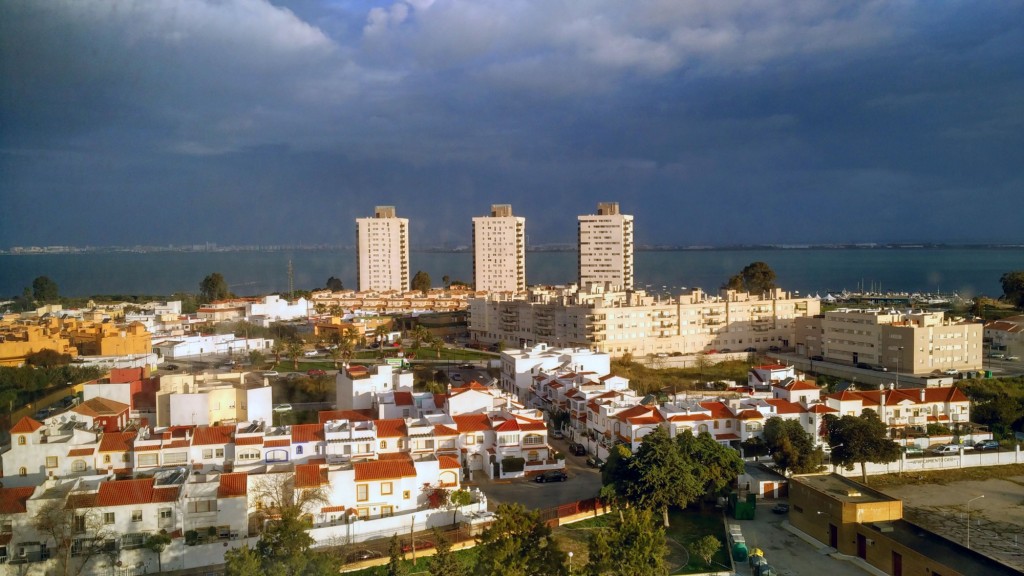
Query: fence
[{"x": 966, "y": 459}]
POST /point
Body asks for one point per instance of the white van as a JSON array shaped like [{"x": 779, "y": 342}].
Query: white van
[{"x": 946, "y": 449}]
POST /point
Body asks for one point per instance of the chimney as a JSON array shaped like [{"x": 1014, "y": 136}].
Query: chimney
[{"x": 921, "y": 394}]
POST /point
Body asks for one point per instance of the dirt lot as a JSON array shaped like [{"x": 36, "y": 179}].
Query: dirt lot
[{"x": 997, "y": 519}]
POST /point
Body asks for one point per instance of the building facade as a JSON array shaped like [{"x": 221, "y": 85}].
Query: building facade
[
  {"x": 499, "y": 251},
  {"x": 911, "y": 342},
  {"x": 382, "y": 251},
  {"x": 633, "y": 322},
  {"x": 606, "y": 247}
]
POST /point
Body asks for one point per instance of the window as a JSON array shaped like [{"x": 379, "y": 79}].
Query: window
[
  {"x": 148, "y": 460},
  {"x": 106, "y": 458},
  {"x": 200, "y": 506},
  {"x": 470, "y": 440},
  {"x": 405, "y": 494},
  {"x": 385, "y": 488},
  {"x": 249, "y": 456},
  {"x": 78, "y": 466},
  {"x": 298, "y": 449},
  {"x": 386, "y": 511},
  {"x": 108, "y": 517},
  {"x": 21, "y": 440},
  {"x": 219, "y": 453},
  {"x": 383, "y": 444},
  {"x": 277, "y": 456},
  {"x": 51, "y": 461},
  {"x": 165, "y": 513},
  {"x": 362, "y": 494},
  {"x": 133, "y": 540},
  {"x": 207, "y": 453},
  {"x": 22, "y": 471},
  {"x": 136, "y": 515},
  {"x": 175, "y": 458}
]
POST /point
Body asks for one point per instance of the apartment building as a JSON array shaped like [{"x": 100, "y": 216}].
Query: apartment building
[
  {"x": 633, "y": 322},
  {"x": 1005, "y": 336},
  {"x": 606, "y": 247},
  {"x": 499, "y": 251},
  {"x": 382, "y": 251},
  {"x": 914, "y": 342}
]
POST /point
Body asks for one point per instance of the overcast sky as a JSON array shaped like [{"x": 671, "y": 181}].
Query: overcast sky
[{"x": 712, "y": 122}]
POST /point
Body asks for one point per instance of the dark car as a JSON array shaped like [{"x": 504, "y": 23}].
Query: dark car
[
  {"x": 577, "y": 449},
  {"x": 780, "y": 508},
  {"x": 594, "y": 462},
  {"x": 551, "y": 476},
  {"x": 170, "y": 366},
  {"x": 362, "y": 555},
  {"x": 864, "y": 366},
  {"x": 750, "y": 349},
  {"x": 774, "y": 349},
  {"x": 987, "y": 445},
  {"x": 817, "y": 358}
]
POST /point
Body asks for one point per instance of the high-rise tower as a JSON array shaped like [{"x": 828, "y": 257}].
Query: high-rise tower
[
  {"x": 499, "y": 251},
  {"x": 382, "y": 251},
  {"x": 606, "y": 247}
]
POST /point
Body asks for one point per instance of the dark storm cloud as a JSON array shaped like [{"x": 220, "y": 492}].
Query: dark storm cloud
[{"x": 244, "y": 121}]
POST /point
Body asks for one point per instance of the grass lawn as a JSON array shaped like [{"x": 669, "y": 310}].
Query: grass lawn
[
  {"x": 685, "y": 527},
  {"x": 945, "y": 476},
  {"x": 467, "y": 557}
]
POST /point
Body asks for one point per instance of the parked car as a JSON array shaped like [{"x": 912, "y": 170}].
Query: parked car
[
  {"x": 997, "y": 355},
  {"x": 780, "y": 508},
  {"x": 774, "y": 349},
  {"x": 986, "y": 445},
  {"x": 359, "y": 555},
  {"x": 577, "y": 449},
  {"x": 283, "y": 408},
  {"x": 551, "y": 476},
  {"x": 952, "y": 372},
  {"x": 912, "y": 450},
  {"x": 271, "y": 374},
  {"x": 420, "y": 545},
  {"x": 456, "y": 377},
  {"x": 316, "y": 372},
  {"x": 945, "y": 449},
  {"x": 750, "y": 349},
  {"x": 310, "y": 353},
  {"x": 594, "y": 462},
  {"x": 1013, "y": 358},
  {"x": 170, "y": 366},
  {"x": 557, "y": 434},
  {"x": 817, "y": 358}
]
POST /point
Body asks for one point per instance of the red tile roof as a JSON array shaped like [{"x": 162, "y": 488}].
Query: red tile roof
[
  {"x": 81, "y": 452},
  {"x": 718, "y": 410},
  {"x": 302, "y": 433},
  {"x": 352, "y": 415},
  {"x": 785, "y": 406},
  {"x": 750, "y": 415},
  {"x": 233, "y": 485},
  {"x": 277, "y": 443},
  {"x": 472, "y": 422},
  {"x": 212, "y": 435},
  {"x": 447, "y": 462},
  {"x": 310, "y": 476},
  {"x": 26, "y": 425},
  {"x": 403, "y": 398},
  {"x": 507, "y": 426},
  {"x": 391, "y": 428},
  {"x": 128, "y": 492},
  {"x": 76, "y": 501},
  {"x": 13, "y": 500},
  {"x": 249, "y": 441},
  {"x": 442, "y": 430},
  {"x": 799, "y": 385},
  {"x": 726, "y": 436},
  {"x": 100, "y": 407},
  {"x": 117, "y": 441},
  {"x": 384, "y": 470}
]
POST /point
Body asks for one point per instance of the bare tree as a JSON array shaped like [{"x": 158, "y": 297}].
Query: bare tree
[{"x": 77, "y": 533}]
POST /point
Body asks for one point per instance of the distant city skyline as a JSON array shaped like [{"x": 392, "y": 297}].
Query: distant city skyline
[{"x": 248, "y": 122}]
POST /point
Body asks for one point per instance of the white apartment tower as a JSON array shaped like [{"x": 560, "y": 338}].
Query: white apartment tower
[
  {"x": 382, "y": 251},
  {"x": 499, "y": 251},
  {"x": 606, "y": 248}
]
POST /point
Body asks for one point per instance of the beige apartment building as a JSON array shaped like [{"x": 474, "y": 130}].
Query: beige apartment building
[
  {"x": 382, "y": 251},
  {"x": 499, "y": 251},
  {"x": 606, "y": 247},
  {"x": 915, "y": 342},
  {"x": 620, "y": 322}
]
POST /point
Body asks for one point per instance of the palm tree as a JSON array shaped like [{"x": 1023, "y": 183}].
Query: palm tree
[
  {"x": 349, "y": 338},
  {"x": 294, "y": 348},
  {"x": 380, "y": 333},
  {"x": 419, "y": 336},
  {"x": 437, "y": 344},
  {"x": 277, "y": 349}
]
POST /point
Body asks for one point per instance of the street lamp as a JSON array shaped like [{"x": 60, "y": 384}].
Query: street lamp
[
  {"x": 570, "y": 562},
  {"x": 969, "y": 519}
]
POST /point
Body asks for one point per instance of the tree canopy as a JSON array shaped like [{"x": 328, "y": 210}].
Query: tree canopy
[
  {"x": 45, "y": 290},
  {"x": 335, "y": 284},
  {"x": 518, "y": 543},
  {"x": 1013, "y": 287},
  {"x": 634, "y": 544},
  {"x": 755, "y": 278},
  {"x": 421, "y": 281},
  {"x": 860, "y": 439},
  {"x": 791, "y": 447},
  {"x": 214, "y": 287}
]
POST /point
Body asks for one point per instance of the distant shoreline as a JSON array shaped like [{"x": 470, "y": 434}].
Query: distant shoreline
[{"x": 44, "y": 250}]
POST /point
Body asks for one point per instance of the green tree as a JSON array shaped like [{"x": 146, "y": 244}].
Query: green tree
[
  {"x": 755, "y": 278},
  {"x": 705, "y": 548},
  {"x": 518, "y": 543},
  {"x": 443, "y": 562},
  {"x": 45, "y": 290},
  {"x": 242, "y": 561},
  {"x": 334, "y": 284},
  {"x": 294, "y": 348},
  {"x": 715, "y": 466},
  {"x": 156, "y": 543},
  {"x": 419, "y": 336},
  {"x": 663, "y": 477},
  {"x": 438, "y": 345},
  {"x": 633, "y": 544},
  {"x": 791, "y": 447},
  {"x": 861, "y": 439},
  {"x": 421, "y": 281},
  {"x": 1013, "y": 287},
  {"x": 457, "y": 499},
  {"x": 256, "y": 358},
  {"x": 600, "y": 561},
  {"x": 48, "y": 358},
  {"x": 395, "y": 566},
  {"x": 214, "y": 287}
]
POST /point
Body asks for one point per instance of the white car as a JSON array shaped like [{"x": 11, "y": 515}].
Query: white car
[
  {"x": 271, "y": 374},
  {"x": 952, "y": 372},
  {"x": 283, "y": 408}
]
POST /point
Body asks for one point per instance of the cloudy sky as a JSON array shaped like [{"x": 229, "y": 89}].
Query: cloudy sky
[{"x": 713, "y": 122}]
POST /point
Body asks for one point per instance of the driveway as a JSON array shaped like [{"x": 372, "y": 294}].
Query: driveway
[
  {"x": 787, "y": 553},
  {"x": 584, "y": 482}
]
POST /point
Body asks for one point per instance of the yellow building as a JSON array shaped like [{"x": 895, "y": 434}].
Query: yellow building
[
  {"x": 108, "y": 339},
  {"x": 19, "y": 339}
]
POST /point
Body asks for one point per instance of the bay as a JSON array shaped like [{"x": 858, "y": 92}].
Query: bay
[{"x": 967, "y": 271}]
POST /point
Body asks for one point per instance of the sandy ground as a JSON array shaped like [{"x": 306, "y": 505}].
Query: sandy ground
[{"x": 997, "y": 519}]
